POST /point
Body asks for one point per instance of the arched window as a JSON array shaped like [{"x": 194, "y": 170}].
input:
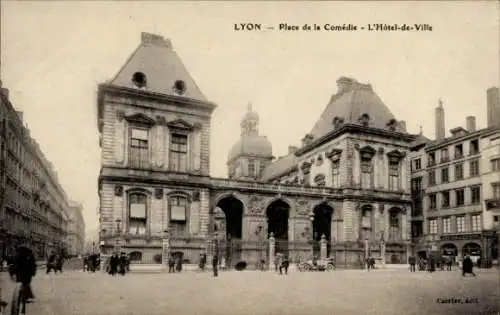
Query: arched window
[
  {"x": 366, "y": 222},
  {"x": 364, "y": 120},
  {"x": 394, "y": 225},
  {"x": 178, "y": 209},
  {"x": 394, "y": 171},
  {"x": 137, "y": 219}
]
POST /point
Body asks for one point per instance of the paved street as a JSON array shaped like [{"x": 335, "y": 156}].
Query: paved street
[{"x": 251, "y": 292}]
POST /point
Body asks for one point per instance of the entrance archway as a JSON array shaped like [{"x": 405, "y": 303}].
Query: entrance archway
[
  {"x": 472, "y": 249},
  {"x": 322, "y": 225},
  {"x": 233, "y": 211},
  {"x": 277, "y": 223},
  {"x": 449, "y": 249},
  {"x": 230, "y": 247}
]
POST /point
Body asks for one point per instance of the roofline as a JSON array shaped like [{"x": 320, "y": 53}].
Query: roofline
[
  {"x": 147, "y": 95},
  {"x": 286, "y": 172},
  {"x": 353, "y": 128},
  {"x": 437, "y": 144},
  {"x": 250, "y": 155}
]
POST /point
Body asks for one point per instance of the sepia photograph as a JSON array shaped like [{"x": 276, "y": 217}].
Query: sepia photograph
[{"x": 249, "y": 157}]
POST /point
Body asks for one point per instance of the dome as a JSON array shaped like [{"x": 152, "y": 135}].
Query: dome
[{"x": 251, "y": 145}]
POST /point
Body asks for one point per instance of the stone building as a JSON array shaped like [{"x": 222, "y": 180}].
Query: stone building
[
  {"x": 33, "y": 205},
  {"x": 347, "y": 183},
  {"x": 454, "y": 183},
  {"x": 76, "y": 229}
]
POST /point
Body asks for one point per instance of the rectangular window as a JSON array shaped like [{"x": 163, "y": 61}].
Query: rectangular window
[
  {"x": 178, "y": 152},
  {"x": 394, "y": 176},
  {"x": 432, "y": 201},
  {"x": 431, "y": 159},
  {"x": 446, "y": 225},
  {"x": 137, "y": 214},
  {"x": 459, "y": 153},
  {"x": 444, "y": 156},
  {"x": 459, "y": 171},
  {"x": 139, "y": 148},
  {"x": 394, "y": 227},
  {"x": 474, "y": 168},
  {"x": 445, "y": 175},
  {"x": 366, "y": 224},
  {"x": 495, "y": 165},
  {"x": 418, "y": 164},
  {"x": 336, "y": 174},
  {"x": 495, "y": 187},
  {"x": 432, "y": 178},
  {"x": 416, "y": 184},
  {"x": 366, "y": 174},
  {"x": 178, "y": 207},
  {"x": 251, "y": 168},
  {"x": 460, "y": 224},
  {"x": 476, "y": 222},
  {"x": 433, "y": 227},
  {"x": 474, "y": 147},
  {"x": 446, "y": 199},
  {"x": 459, "y": 197},
  {"x": 262, "y": 167},
  {"x": 475, "y": 192}
]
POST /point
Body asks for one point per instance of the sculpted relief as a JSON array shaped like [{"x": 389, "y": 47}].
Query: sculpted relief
[
  {"x": 302, "y": 207},
  {"x": 256, "y": 204}
]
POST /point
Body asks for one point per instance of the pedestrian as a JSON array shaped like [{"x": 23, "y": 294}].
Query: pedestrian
[
  {"x": 284, "y": 265},
  {"x": 59, "y": 263},
  {"x": 411, "y": 262},
  {"x": 178, "y": 263},
  {"x": 215, "y": 265},
  {"x": 171, "y": 263},
  {"x": 432, "y": 264},
  {"x": 123, "y": 264},
  {"x": 51, "y": 262},
  {"x": 25, "y": 270},
  {"x": 449, "y": 263},
  {"x": 203, "y": 261},
  {"x": 467, "y": 266},
  {"x": 113, "y": 264}
]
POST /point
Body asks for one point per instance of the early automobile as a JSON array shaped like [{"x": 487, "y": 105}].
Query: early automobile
[{"x": 327, "y": 264}]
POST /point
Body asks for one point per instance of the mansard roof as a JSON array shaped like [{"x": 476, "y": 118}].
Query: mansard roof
[
  {"x": 352, "y": 101},
  {"x": 279, "y": 167},
  {"x": 162, "y": 67}
]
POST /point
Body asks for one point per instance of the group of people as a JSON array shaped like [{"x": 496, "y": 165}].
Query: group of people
[
  {"x": 118, "y": 263},
  {"x": 55, "y": 262},
  {"x": 91, "y": 262},
  {"x": 281, "y": 263},
  {"x": 433, "y": 263}
]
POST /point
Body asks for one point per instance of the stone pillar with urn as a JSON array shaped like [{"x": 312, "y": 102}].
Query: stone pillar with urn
[
  {"x": 323, "y": 247},
  {"x": 165, "y": 249},
  {"x": 272, "y": 248}
]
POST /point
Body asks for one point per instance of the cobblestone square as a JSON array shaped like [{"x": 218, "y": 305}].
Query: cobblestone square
[{"x": 340, "y": 292}]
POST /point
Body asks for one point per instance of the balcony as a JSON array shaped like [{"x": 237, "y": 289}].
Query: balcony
[{"x": 493, "y": 203}]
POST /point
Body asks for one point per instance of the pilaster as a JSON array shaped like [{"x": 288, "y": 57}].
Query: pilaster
[
  {"x": 119, "y": 138},
  {"x": 204, "y": 211}
]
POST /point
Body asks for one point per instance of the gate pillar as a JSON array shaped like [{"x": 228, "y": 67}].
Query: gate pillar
[{"x": 272, "y": 248}]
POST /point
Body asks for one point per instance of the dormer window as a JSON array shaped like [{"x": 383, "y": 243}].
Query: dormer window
[
  {"x": 139, "y": 80},
  {"x": 364, "y": 120},
  {"x": 392, "y": 124},
  {"x": 179, "y": 87},
  {"x": 337, "y": 122}
]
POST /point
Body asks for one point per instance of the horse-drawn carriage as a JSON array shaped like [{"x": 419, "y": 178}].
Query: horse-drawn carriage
[{"x": 327, "y": 264}]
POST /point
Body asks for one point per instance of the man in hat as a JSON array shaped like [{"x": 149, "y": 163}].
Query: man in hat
[{"x": 25, "y": 269}]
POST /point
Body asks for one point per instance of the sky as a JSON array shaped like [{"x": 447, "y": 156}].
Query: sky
[{"x": 53, "y": 55}]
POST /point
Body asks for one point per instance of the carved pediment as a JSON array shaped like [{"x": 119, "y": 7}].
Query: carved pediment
[
  {"x": 180, "y": 124},
  {"x": 140, "y": 119},
  {"x": 367, "y": 152},
  {"x": 395, "y": 156},
  {"x": 333, "y": 154}
]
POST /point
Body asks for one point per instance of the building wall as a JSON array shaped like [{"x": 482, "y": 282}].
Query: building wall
[
  {"x": 34, "y": 205},
  {"x": 490, "y": 175}
]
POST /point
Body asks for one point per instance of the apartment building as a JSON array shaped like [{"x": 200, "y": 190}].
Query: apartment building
[
  {"x": 456, "y": 187},
  {"x": 76, "y": 229},
  {"x": 33, "y": 205}
]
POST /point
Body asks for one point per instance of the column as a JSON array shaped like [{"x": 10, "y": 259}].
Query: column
[
  {"x": 272, "y": 247},
  {"x": 323, "y": 250},
  {"x": 404, "y": 223},
  {"x": 159, "y": 151},
  {"x": 119, "y": 136},
  {"x": 386, "y": 224}
]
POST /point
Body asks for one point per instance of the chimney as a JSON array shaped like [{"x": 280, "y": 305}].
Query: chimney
[
  {"x": 20, "y": 114},
  {"x": 156, "y": 40},
  {"x": 440, "y": 128},
  {"x": 402, "y": 125},
  {"x": 493, "y": 106},
  {"x": 292, "y": 149},
  {"x": 470, "y": 123}
]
